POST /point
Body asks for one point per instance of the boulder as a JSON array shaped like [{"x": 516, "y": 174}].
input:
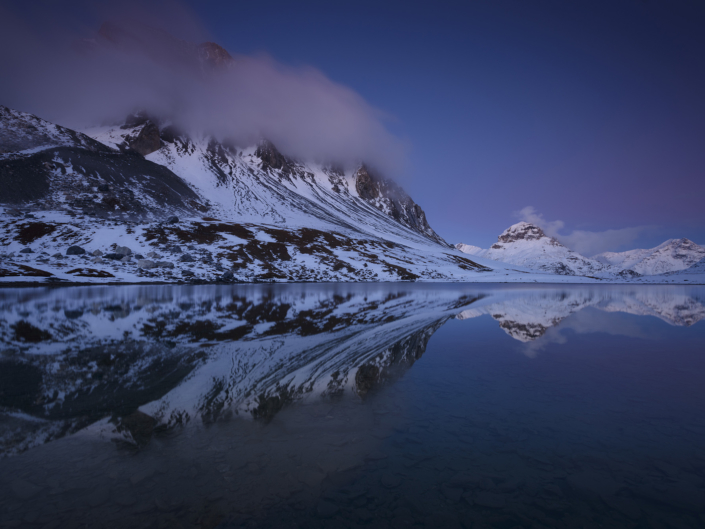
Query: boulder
[
  {"x": 139, "y": 256},
  {"x": 97, "y": 259},
  {"x": 146, "y": 264},
  {"x": 227, "y": 276},
  {"x": 114, "y": 256},
  {"x": 57, "y": 256},
  {"x": 26, "y": 250},
  {"x": 126, "y": 258},
  {"x": 123, "y": 250},
  {"x": 75, "y": 250},
  {"x": 165, "y": 264},
  {"x": 97, "y": 253},
  {"x": 104, "y": 188},
  {"x": 173, "y": 219},
  {"x": 187, "y": 258},
  {"x": 187, "y": 273}
]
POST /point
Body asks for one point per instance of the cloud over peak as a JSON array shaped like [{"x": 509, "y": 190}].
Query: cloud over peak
[
  {"x": 200, "y": 87},
  {"x": 584, "y": 242}
]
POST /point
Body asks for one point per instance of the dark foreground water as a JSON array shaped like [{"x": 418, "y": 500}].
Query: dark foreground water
[{"x": 352, "y": 406}]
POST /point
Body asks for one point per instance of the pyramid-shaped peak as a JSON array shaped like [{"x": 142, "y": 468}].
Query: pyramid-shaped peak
[{"x": 521, "y": 231}]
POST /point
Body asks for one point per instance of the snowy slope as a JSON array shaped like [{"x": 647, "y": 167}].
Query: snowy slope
[
  {"x": 469, "y": 249},
  {"x": 258, "y": 184},
  {"x": 22, "y": 134},
  {"x": 243, "y": 215},
  {"x": 526, "y": 245},
  {"x": 671, "y": 256}
]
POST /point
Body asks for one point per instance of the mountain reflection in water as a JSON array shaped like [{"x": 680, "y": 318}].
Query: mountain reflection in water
[{"x": 205, "y": 406}]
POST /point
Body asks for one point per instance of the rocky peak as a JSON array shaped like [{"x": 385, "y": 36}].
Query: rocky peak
[
  {"x": 521, "y": 231},
  {"x": 162, "y": 47},
  {"x": 147, "y": 141},
  {"x": 366, "y": 185},
  {"x": 271, "y": 157},
  {"x": 214, "y": 55},
  {"x": 389, "y": 197}
]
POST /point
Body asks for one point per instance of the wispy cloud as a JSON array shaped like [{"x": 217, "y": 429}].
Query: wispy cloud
[
  {"x": 141, "y": 66},
  {"x": 582, "y": 241}
]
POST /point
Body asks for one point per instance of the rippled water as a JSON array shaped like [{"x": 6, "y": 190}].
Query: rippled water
[{"x": 352, "y": 406}]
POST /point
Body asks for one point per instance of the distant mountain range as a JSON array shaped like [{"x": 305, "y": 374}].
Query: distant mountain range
[
  {"x": 670, "y": 256},
  {"x": 525, "y": 244}
]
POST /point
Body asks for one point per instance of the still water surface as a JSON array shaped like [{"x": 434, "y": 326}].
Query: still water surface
[{"x": 352, "y": 406}]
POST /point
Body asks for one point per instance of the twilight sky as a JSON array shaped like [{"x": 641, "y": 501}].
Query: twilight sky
[{"x": 585, "y": 115}]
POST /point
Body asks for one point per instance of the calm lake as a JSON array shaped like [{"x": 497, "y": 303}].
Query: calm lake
[{"x": 338, "y": 405}]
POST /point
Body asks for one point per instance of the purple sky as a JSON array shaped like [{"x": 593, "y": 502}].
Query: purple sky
[{"x": 589, "y": 112}]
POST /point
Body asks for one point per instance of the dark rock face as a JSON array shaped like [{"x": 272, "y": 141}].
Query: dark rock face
[
  {"x": 389, "y": 197},
  {"x": 147, "y": 141},
  {"x": 272, "y": 158}
]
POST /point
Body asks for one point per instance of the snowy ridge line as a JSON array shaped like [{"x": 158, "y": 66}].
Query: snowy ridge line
[{"x": 526, "y": 245}]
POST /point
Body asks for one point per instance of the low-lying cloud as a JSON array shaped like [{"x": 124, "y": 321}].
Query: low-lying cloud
[
  {"x": 584, "y": 242},
  {"x": 81, "y": 82}
]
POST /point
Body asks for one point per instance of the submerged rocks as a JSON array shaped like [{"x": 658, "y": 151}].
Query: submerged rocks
[{"x": 75, "y": 250}]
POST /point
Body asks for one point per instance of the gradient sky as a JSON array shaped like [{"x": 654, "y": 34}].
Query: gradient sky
[{"x": 591, "y": 112}]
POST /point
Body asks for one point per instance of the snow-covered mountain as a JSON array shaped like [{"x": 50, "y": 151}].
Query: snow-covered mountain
[
  {"x": 141, "y": 200},
  {"x": 525, "y": 244},
  {"x": 671, "y": 256}
]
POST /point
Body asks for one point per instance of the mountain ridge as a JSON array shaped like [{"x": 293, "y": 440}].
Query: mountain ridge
[{"x": 526, "y": 244}]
